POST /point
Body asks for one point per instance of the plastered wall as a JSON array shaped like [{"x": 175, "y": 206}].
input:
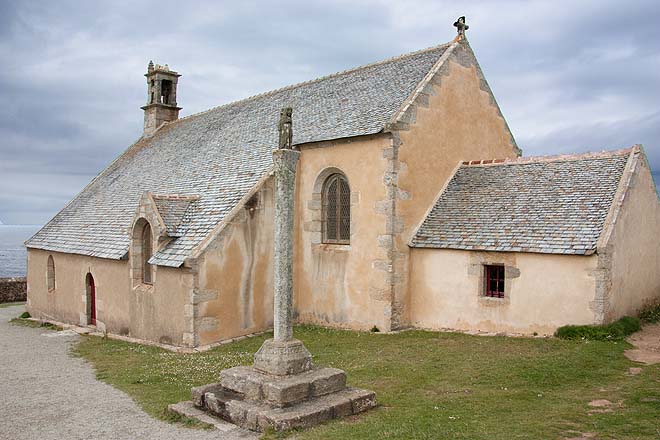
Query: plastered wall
[
  {"x": 460, "y": 121},
  {"x": 542, "y": 291},
  {"x": 152, "y": 313},
  {"x": 342, "y": 285},
  {"x": 67, "y": 303},
  {"x": 233, "y": 293},
  {"x": 634, "y": 248}
]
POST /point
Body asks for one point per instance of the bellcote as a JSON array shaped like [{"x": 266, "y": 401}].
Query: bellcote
[{"x": 161, "y": 104}]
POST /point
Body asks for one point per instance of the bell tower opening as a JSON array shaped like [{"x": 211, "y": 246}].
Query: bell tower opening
[{"x": 161, "y": 97}]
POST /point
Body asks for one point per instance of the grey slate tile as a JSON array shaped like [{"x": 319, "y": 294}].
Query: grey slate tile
[
  {"x": 220, "y": 154},
  {"x": 531, "y": 205}
]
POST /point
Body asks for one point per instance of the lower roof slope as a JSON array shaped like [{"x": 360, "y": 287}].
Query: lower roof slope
[
  {"x": 552, "y": 205},
  {"x": 219, "y": 155}
]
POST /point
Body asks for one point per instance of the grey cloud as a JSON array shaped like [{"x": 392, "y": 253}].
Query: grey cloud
[{"x": 569, "y": 76}]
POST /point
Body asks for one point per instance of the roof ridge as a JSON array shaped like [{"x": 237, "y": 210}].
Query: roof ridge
[
  {"x": 312, "y": 81},
  {"x": 550, "y": 158}
]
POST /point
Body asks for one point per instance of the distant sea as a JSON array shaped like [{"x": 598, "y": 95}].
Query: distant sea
[{"x": 13, "y": 256}]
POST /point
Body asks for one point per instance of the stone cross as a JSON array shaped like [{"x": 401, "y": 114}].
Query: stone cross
[
  {"x": 461, "y": 27},
  {"x": 285, "y": 160},
  {"x": 283, "y": 355}
]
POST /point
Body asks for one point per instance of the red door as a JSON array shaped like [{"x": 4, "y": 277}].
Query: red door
[{"x": 91, "y": 299}]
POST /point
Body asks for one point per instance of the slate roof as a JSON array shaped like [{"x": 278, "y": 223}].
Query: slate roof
[
  {"x": 554, "y": 205},
  {"x": 220, "y": 154},
  {"x": 172, "y": 210}
]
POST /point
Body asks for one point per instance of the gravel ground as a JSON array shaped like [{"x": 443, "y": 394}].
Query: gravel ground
[{"x": 47, "y": 394}]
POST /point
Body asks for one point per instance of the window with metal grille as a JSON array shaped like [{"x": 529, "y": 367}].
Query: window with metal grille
[
  {"x": 336, "y": 210},
  {"x": 146, "y": 254},
  {"x": 494, "y": 279}
]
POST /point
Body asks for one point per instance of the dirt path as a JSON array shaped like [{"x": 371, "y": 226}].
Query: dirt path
[
  {"x": 647, "y": 345},
  {"x": 47, "y": 394}
]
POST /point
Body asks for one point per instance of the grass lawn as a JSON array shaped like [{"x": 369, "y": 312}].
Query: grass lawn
[{"x": 429, "y": 385}]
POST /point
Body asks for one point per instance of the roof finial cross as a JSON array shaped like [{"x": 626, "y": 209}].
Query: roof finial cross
[{"x": 461, "y": 27}]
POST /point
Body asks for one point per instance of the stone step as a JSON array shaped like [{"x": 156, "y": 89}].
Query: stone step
[
  {"x": 216, "y": 402},
  {"x": 198, "y": 393},
  {"x": 282, "y": 391},
  {"x": 259, "y": 416},
  {"x": 187, "y": 409}
]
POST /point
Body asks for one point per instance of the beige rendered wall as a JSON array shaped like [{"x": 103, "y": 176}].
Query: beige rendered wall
[
  {"x": 157, "y": 311},
  {"x": 67, "y": 303},
  {"x": 341, "y": 285},
  {"x": 542, "y": 291},
  {"x": 460, "y": 122},
  {"x": 233, "y": 292},
  {"x": 635, "y": 248},
  {"x": 152, "y": 313}
]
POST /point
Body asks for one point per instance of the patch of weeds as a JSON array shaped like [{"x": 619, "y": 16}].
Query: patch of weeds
[
  {"x": 375, "y": 329},
  {"x": 24, "y": 315},
  {"x": 651, "y": 313},
  {"x": 615, "y": 331},
  {"x": 188, "y": 422},
  {"x": 34, "y": 324},
  {"x": 271, "y": 434}
]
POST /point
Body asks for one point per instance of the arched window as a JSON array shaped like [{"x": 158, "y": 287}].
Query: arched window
[
  {"x": 51, "y": 273},
  {"x": 146, "y": 254},
  {"x": 336, "y": 210}
]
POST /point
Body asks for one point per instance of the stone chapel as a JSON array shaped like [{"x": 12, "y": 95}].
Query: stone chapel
[{"x": 413, "y": 208}]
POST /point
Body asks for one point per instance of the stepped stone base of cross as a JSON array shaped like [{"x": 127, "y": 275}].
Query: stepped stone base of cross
[
  {"x": 257, "y": 400},
  {"x": 282, "y": 390}
]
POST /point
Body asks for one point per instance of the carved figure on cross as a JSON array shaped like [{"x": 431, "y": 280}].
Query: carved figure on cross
[{"x": 286, "y": 133}]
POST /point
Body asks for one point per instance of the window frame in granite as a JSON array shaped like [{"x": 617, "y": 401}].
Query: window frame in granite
[
  {"x": 50, "y": 274},
  {"x": 139, "y": 259},
  {"x": 499, "y": 278},
  {"x": 342, "y": 209},
  {"x": 146, "y": 240}
]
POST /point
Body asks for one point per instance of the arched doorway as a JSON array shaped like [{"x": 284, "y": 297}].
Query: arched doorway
[{"x": 90, "y": 288}]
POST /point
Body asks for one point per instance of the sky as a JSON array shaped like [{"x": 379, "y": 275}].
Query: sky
[{"x": 569, "y": 76}]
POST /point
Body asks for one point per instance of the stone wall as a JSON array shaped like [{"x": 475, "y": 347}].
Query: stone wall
[{"x": 13, "y": 289}]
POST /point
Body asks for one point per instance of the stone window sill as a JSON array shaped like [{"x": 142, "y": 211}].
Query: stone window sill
[
  {"x": 493, "y": 302},
  {"x": 144, "y": 287},
  {"x": 332, "y": 247}
]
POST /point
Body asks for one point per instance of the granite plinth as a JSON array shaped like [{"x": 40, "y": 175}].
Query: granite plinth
[
  {"x": 282, "y": 358},
  {"x": 253, "y": 399}
]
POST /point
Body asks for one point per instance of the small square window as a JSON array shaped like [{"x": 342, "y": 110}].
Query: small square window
[{"x": 494, "y": 281}]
